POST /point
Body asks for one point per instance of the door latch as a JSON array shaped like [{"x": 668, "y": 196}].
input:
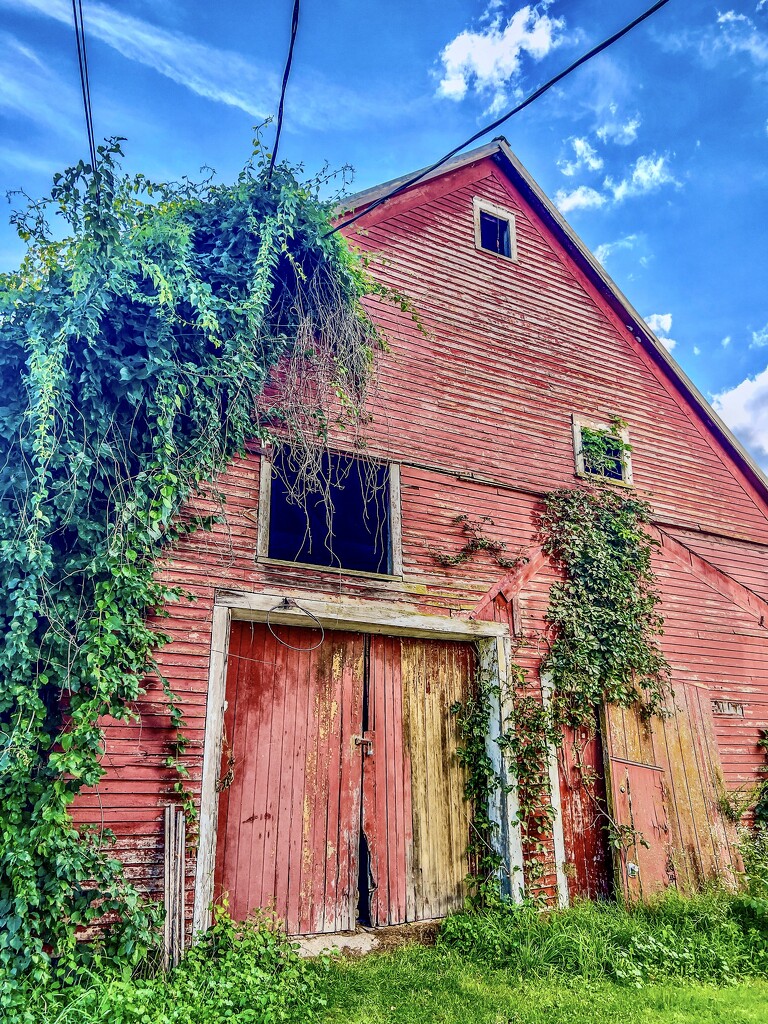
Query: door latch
[{"x": 366, "y": 742}]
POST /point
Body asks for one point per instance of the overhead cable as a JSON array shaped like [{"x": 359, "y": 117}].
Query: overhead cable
[
  {"x": 286, "y": 74},
  {"x": 505, "y": 117},
  {"x": 85, "y": 85}
]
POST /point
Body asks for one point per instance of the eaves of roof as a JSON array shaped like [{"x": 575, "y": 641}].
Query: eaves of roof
[{"x": 500, "y": 151}]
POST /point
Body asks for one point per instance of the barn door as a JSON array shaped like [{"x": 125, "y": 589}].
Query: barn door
[
  {"x": 416, "y": 819},
  {"x": 640, "y": 818},
  {"x": 289, "y": 815},
  {"x": 342, "y": 797}
]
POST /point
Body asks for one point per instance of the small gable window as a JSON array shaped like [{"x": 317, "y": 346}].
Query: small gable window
[
  {"x": 341, "y": 518},
  {"x": 602, "y": 449},
  {"x": 494, "y": 229}
]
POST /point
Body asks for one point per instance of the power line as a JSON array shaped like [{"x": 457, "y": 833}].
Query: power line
[
  {"x": 286, "y": 74},
  {"x": 505, "y": 117},
  {"x": 85, "y": 86}
]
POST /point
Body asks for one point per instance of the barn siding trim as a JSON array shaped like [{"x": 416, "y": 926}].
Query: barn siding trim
[
  {"x": 370, "y": 617},
  {"x": 714, "y": 577},
  {"x": 206, "y": 850}
]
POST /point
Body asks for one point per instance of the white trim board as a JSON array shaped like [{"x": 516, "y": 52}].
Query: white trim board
[{"x": 371, "y": 617}]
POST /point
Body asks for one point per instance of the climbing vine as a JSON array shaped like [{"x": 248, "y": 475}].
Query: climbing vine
[
  {"x": 603, "y": 648},
  {"x": 135, "y": 355},
  {"x": 477, "y": 540}
]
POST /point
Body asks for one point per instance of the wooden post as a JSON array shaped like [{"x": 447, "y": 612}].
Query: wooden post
[{"x": 173, "y": 889}]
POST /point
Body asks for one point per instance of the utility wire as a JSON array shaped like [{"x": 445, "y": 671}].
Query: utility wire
[
  {"x": 286, "y": 74},
  {"x": 505, "y": 117},
  {"x": 85, "y": 86}
]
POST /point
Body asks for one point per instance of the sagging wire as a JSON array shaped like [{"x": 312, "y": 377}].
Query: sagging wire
[
  {"x": 286, "y": 74},
  {"x": 505, "y": 117},
  {"x": 85, "y": 85},
  {"x": 285, "y": 604}
]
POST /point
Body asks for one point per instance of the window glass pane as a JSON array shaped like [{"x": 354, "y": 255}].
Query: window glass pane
[
  {"x": 494, "y": 234},
  {"x": 342, "y": 522}
]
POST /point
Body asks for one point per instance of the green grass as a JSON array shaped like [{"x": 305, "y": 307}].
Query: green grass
[
  {"x": 701, "y": 960},
  {"x": 420, "y": 986}
]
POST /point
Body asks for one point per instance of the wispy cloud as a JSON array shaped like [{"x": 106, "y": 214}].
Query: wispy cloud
[
  {"x": 19, "y": 160},
  {"x": 222, "y": 76},
  {"x": 759, "y": 338},
  {"x": 488, "y": 59},
  {"x": 661, "y": 325},
  {"x": 607, "y": 249},
  {"x": 648, "y": 174},
  {"x": 622, "y": 133},
  {"x": 731, "y": 35},
  {"x": 585, "y": 156},
  {"x": 726, "y": 341},
  {"x": 740, "y": 35},
  {"x": 30, "y": 88},
  {"x": 745, "y": 409}
]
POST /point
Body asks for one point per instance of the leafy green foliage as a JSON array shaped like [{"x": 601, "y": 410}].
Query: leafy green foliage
[
  {"x": 604, "y": 613},
  {"x": 134, "y": 354},
  {"x": 244, "y": 972}
]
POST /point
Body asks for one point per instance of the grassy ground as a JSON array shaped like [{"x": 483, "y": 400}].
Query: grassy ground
[{"x": 420, "y": 986}]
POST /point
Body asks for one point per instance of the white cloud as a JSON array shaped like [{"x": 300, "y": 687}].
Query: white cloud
[
  {"x": 585, "y": 156},
  {"x": 648, "y": 174},
  {"x": 623, "y": 134},
  {"x": 745, "y": 409},
  {"x": 489, "y": 59},
  {"x": 660, "y": 322},
  {"x": 726, "y": 341},
  {"x": 696, "y": 350},
  {"x": 581, "y": 198},
  {"x": 607, "y": 249},
  {"x": 661, "y": 325},
  {"x": 759, "y": 338},
  {"x": 740, "y": 35}
]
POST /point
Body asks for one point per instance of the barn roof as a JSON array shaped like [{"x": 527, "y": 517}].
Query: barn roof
[{"x": 500, "y": 152}]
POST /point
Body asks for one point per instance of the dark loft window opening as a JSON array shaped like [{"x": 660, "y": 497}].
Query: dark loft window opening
[
  {"x": 343, "y": 522},
  {"x": 494, "y": 234},
  {"x": 603, "y": 455}
]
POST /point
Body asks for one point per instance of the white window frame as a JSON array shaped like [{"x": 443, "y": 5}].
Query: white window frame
[
  {"x": 395, "y": 525},
  {"x": 605, "y": 426},
  {"x": 482, "y": 206}
]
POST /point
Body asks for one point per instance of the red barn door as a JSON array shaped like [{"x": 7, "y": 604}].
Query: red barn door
[
  {"x": 288, "y": 821},
  {"x": 341, "y": 791}
]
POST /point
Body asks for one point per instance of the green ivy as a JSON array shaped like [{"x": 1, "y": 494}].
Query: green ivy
[
  {"x": 604, "y": 613},
  {"x": 604, "y": 650},
  {"x": 136, "y": 341}
]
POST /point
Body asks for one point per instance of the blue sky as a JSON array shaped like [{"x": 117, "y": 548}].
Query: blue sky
[{"x": 656, "y": 152}]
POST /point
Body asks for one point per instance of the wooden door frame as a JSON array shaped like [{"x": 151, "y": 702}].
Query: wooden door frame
[{"x": 298, "y": 608}]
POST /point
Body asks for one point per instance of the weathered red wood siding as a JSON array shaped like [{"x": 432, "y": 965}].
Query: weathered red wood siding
[{"x": 478, "y": 414}]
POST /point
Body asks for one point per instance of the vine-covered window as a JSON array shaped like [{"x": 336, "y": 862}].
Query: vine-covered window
[
  {"x": 602, "y": 450},
  {"x": 338, "y": 517}
]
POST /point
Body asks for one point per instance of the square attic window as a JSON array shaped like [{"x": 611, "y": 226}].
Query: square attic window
[
  {"x": 342, "y": 521},
  {"x": 602, "y": 450},
  {"x": 494, "y": 229}
]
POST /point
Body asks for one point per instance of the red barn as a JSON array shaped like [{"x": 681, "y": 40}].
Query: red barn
[{"x": 319, "y": 662}]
